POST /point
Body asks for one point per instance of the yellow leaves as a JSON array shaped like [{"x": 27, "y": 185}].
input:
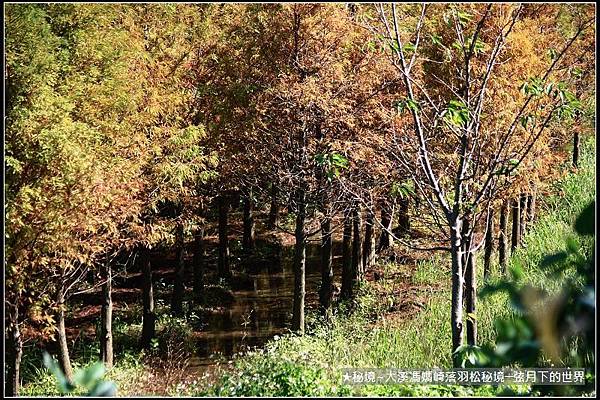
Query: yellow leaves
[{"x": 39, "y": 315}]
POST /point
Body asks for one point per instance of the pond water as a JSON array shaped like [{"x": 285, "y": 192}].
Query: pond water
[{"x": 261, "y": 307}]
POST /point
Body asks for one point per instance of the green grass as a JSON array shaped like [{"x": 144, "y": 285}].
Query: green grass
[
  {"x": 130, "y": 369},
  {"x": 310, "y": 365}
]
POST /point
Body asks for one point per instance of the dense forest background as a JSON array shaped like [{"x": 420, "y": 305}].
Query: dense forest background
[{"x": 433, "y": 155}]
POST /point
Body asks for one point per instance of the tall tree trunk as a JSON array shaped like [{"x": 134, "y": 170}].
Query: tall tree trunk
[
  {"x": 299, "y": 264},
  {"x": 385, "y": 240},
  {"x": 346, "y": 290},
  {"x": 148, "y": 316},
  {"x": 403, "y": 217},
  {"x": 14, "y": 350},
  {"x": 457, "y": 289},
  {"x": 531, "y": 208},
  {"x": 576, "y": 146},
  {"x": 522, "y": 215},
  {"x": 471, "y": 299},
  {"x": 369, "y": 255},
  {"x": 223, "y": 262},
  {"x": 357, "y": 265},
  {"x": 63, "y": 347},
  {"x": 198, "y": 261},
  {"x": 274, "y": 208},
  {"x": 516, "y": 228},
  {"x": 577, "y": 129},
  {"x": 248, "y": 236},
  {"x": 326, "y": 291},
  {"x": 503, "y": 236},
  {"x": 106, "y": 337},
  {"x": 489, "y": 245},
  {"x": 178, "y": 285},
  {"x": 470, "y": 284}
]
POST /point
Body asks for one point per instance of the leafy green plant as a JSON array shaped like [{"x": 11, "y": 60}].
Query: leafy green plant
[
  {"x": 89, "y": 378},
  {"x": 457, "y": 113},
  {"x": 332, "y": 164},
  {"x": 402, "y": 189},
  {"x": 406, "y": 104}
]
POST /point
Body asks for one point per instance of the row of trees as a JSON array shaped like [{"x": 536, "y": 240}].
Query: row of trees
[{"x": 127, "y": 125}]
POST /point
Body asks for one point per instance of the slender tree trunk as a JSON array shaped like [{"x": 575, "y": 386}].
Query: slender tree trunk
[
  {"x": 403, "y": 217},
  {"x": 274, "y": 209},
  {"x": 299, "y": 264},
  {"x": 369, "y": 255},
  {"x": 385, "y": 240},
  {"x": 457, "y": 289},
  {"x": 576, "y": 147},
  {"x": 576, "y": 131},
  {"x": 248, "y": 237},
  {"x": 531, "y": 208},
  {"x": 148, "y": 316},
  {"x": 63, "y": 347},
  {"x": 14, "y": 350},
  {"x": 471, "y": 299},
  {"x": 522, "y": 216},
  {"x": 516, "y": 228},
  {"x": 489, "y": 245},
  {"x": 470, "y": 284},
  {"x": 106, "y": 337},
  {"x": 346, "y": 290},
  {"x": 198, "y": 261},
  {"x": 357, "y": 265},
  {"x": 326, "y": 292},
  {"x": 503, "y": 236},
  {"x": 223, "y": 262},
  {"x": 178, "y": 285}
]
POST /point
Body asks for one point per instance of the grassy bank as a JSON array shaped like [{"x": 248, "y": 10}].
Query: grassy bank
[
  {"x": 135, "y": 373},
  {"x": 310, "y": 365}
]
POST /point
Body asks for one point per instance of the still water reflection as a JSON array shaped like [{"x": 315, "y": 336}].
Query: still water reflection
[{"x": 261, "y": 306}]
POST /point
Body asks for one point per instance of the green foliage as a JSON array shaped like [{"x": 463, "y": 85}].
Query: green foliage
[
  {"x": 126, "y": 374},
  {"x": 478, "y": 46},
  {"x": 89, "y": 378},
  {"x": 463, "y": 17},
  {"x": 457, "y": 113},
  {"x": 527, "y": 120},
  {"x": 171, "y": 330},
  {"x": 402, "y": 189},
  {"x": 332, "y": 163},
  {"x": 183, "y": 163},
  {"x": 436, "y": 39},
  {"x": 534, "y": 86},
  {"x": 264, "y": 374},
  {"x": 406, "y": 104},
  {"x": 568, "y": 105},
  {"x": 409, "y": 48}
]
